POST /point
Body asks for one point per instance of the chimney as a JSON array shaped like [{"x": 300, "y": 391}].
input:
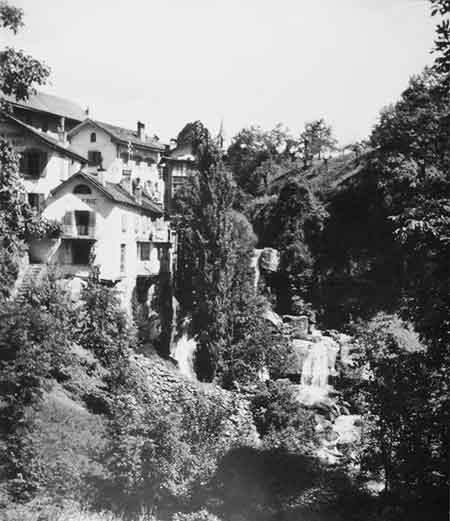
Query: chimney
[
  {"x": 125, "y": 181},
  {"x": 101, "y": 175},
  {"x": 137, "y": 189},
  {"x": 140, "y": 130},
  {"x": 62, "y": 136},
  {"x": 138, "y": 194}
]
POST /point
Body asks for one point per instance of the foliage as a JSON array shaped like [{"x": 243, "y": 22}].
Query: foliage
[
  {"x": 280, "y": 419},
  {"x": 217, "y": 287},
  {"x": 160, "y": 453},
  {"x": 442, "y": 44},
  {"x": 34, "y": 345},
  {"x": 146, "y": 457},
  {"x": 256, "y": 156},
  {"x": 403, "y": 437},
  {"x": 292, "y": 223},
  {"x": 317, "y": 139},
  {"x": 19, "y": 73},
  {"x": 103, "y": 327},
  {"x": 10, "y": 16}
]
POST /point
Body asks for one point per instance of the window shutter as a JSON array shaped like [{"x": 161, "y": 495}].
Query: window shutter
[
  {"x": 24, "y": 162},
  {"x": 68, "y": 218},
  {"x": 41, "y": 201},
  {"x": 92, "y": 219},
  {"x": 42, "y": 163}
]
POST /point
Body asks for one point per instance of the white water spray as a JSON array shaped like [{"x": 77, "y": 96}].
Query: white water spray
[
  {"x": 183, "y": 351},
  {"x": 315, "y": 371},
  {"x": 317, "y": 367},
  {"x": 255, "y": 265}
]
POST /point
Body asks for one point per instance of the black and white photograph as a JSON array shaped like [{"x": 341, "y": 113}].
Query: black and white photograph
[{"x": 224, "y": 260}]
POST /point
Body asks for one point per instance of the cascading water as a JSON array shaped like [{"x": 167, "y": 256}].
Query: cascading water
[
  {"x": 183, "y": 346},
  {"x": 317, "y": 367},
  {"x": 184, "y": 352},
  {"x": 255, "y": 265},
  {"x": 315, "y": 370}
]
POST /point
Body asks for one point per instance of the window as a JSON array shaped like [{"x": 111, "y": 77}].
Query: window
[
  {"x": 36, "y": 201},
  {"x": 143, "y": 251},
  {"x": 82, "y": 190},
  {"x": 94, "y": 158},
  {"x": 124, "y": 222},
  {"x": 122, "y": 257},
  {"x": 93, "y": 137},
  {"x": 33, "y": 162},
  {"x": 81, "y": 252},
  {"x": 83, "y": 222},
  {"x": 91, "y": 202}
]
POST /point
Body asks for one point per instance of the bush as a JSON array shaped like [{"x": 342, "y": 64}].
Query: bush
[{"x": 280, "y": 419}]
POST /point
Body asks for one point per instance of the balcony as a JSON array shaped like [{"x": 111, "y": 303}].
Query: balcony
[
  {"x": 147, "y": 268},
  {"x": 79, "y": 231}
]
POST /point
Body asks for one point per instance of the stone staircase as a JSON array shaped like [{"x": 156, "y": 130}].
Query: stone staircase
[{"x": 32, "y": 276}]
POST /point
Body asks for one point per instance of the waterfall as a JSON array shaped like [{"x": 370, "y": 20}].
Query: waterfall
[
  {"x": 315, "y": 369},
  {"x": 183, "y": 351},
  {"x": 255, "y": 265}
]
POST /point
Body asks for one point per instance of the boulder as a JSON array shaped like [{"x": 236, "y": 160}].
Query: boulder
[{"x": 269, "y": 260}]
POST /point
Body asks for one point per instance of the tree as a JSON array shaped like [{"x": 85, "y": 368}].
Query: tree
[
  {"x": 401, "y": 438},
  {"x": 316, "y": 139},
  {"x": 19, "y": 74},
  {"x": 442, "y": 43},
  {"x": 216, "y": 281},
  {"x": 103, "y": 327},
  {"x": 255, "y": 155},
  {"x": 292, "y": 223}
]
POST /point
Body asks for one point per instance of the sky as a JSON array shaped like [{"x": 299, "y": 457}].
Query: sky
[{"x": 260, "y": 62}]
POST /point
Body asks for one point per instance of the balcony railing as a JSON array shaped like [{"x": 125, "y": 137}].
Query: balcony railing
[
  {"x": 79, "y": 231},
  {"x": 147, "y": 268}
]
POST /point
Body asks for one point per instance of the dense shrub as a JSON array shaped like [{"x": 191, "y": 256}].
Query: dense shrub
[{"x": 281, "y": 420}]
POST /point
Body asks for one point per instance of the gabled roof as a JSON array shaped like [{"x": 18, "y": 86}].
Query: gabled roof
[
  {"x": 116, "y": 193},
  {"x": 42, "y": 102},
  {"x": 46, "y": 139},
  {"x": 120, "y": 134}
]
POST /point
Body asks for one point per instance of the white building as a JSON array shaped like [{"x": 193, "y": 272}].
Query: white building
[
  {"x": 45, "y": 161},
  {"x": 121, "y": 155},
  {"x": 103, "y": 184},
  {"x": 104, "y": 225}
]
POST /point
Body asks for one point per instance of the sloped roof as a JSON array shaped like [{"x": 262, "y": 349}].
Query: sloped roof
[
  {"x": 51, "y": 104},
  {"x": 116, "y": 193},
  {"x": 121, "y": 134},
  {"x": 48, "y": 140}
]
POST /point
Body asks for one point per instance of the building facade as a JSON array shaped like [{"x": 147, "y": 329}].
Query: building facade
[
  {"x": 123, "y": 234},
  {"x": 104, "y": 185},
  {"x": 121, "y": 155},
  {"x": 45, "y": 162}
]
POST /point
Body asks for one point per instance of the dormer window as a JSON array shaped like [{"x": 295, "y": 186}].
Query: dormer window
[
  {"x": 93, "y": 137},
  {"x": 82, "y": 190}
]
